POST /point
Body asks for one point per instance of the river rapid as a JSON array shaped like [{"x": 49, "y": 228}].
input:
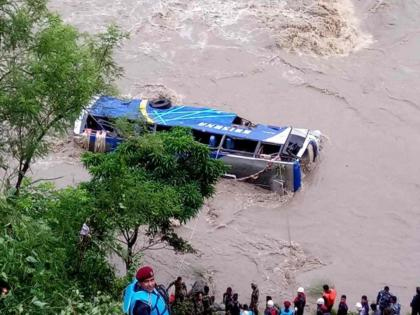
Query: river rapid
[{"x": 348, "y": 68}]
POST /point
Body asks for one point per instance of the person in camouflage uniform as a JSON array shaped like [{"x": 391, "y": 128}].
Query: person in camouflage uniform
[
  {"x": 207, "y": 301},
  {"x": 255, "y": 295},
  {"x": 383, "y": 299},
  {"x": 198, "y": 304}
]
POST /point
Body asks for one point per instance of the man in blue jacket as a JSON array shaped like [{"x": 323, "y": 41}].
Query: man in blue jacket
[{"x": 143, "y": 297}]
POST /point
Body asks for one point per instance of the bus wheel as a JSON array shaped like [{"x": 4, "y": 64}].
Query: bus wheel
[{"x": 162, "y": 103}]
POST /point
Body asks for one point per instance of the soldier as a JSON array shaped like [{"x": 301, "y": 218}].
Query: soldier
[{"x": 253, "y": 306}]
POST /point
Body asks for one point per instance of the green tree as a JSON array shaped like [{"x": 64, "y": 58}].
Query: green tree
[
  {"x": 40, "y": 260},
  {"x": 48, "y": 72},
  {"x": 145, "y": 183}
]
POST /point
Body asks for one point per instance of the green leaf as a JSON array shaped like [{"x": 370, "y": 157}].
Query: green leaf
[
  {"x": 31, "y": 259},
  {"x": 3, "y": 276},
  {"x": 39, "y": 303}
]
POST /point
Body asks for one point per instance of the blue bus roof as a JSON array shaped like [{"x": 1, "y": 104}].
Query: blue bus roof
[{"x": 199, "y": 118}]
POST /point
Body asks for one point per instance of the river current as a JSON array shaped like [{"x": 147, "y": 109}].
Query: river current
[{"x": 348, "y": 68}]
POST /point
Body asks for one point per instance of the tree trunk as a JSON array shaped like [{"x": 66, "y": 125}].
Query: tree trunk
[
  {"x": 130, "y": 244},
  {"x": 21, "y": 175},
  {"x": 22, "y": 172}
]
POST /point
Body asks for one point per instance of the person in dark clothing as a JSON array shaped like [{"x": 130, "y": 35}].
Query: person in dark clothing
[
  {"x": 227, "y": 299},
  {"x": 207, "y": 301},
  {"x": 342, "y": 307},
  {"x": 300, "y": 301},
  {"x": 144, "y": 297},
  {"x": 198, "y": 304},
  {"x": 415, "y": 303},
  {"x": 253, "y": 306},
  {"x": 383, "y": 299},
  {"x": 235, "y": 308},
  {"x": 179, "y": 292},
  {"x": 374, "y": 309},
  {"x": 365, "y": 305}
]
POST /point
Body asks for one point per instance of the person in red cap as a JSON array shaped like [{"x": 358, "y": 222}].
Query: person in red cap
[
  {"x": 287, "y": 310},
  {"x": 144, "y": 297}
]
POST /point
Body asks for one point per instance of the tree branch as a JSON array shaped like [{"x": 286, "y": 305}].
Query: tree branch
[{"x": 41, "y": 179}]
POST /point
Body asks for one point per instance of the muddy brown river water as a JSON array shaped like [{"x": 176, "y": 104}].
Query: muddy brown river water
[{"x": 348, "y": 68}]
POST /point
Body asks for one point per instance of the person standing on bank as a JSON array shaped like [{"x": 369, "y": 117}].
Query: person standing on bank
[
  {"x": 342, "y": 307},
  {"x": 365, "y": 304},
  {"x": 179, "y": 292},
  {"x": 144, "y": 297},
  {"x": 329, "y": 296},
  {"x": 255, "y": 295},
  {"x": 300, "y": 301},
  {"x": 415, "y": 303},
  {"x": 384, "y": 299}
]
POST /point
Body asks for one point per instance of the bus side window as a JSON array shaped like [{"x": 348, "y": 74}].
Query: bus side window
[
  {"x": 239, "y": 146},
  {"x": 270, "y": 149},
  {"x": 229, "y": 144}
]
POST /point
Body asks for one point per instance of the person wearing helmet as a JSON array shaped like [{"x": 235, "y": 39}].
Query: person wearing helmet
[
  {"x": 359, "y": 307},
  {"x": 321, "y": 309},
  {"x": 270, "y": 309},
  {"x": 300, "y": 301},
  {"x": 143, "y": 296}
]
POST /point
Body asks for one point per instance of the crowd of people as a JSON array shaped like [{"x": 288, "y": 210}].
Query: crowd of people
[{"x": 144, "y": 297}]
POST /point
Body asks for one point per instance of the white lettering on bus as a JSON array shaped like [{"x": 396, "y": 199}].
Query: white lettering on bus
[{"x": 224, "y": 128}]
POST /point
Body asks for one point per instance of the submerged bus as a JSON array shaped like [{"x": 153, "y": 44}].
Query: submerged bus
[{"x": 270, "y": 156}]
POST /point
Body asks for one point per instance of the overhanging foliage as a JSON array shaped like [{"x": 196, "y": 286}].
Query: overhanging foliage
[{"x": 150, "y": 180}]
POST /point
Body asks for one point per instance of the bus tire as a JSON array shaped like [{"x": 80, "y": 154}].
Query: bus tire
[{"x": 161, "y": 103}]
